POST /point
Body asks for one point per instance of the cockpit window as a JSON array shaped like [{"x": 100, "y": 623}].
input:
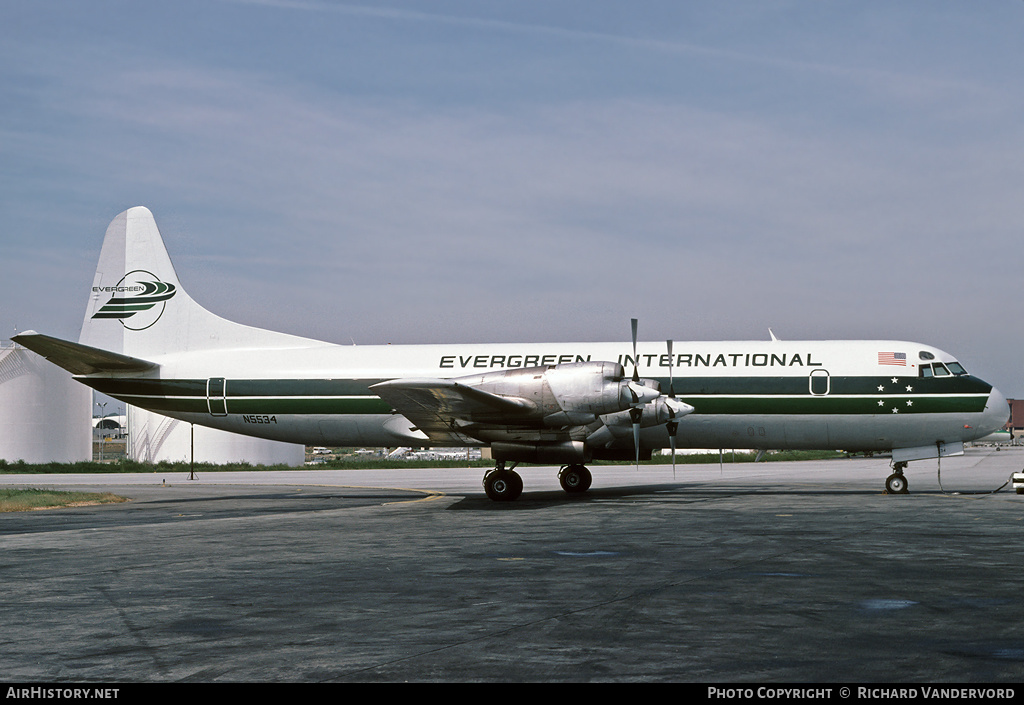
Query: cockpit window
[
  {"x": 940, "y": 369},
  {"x": 925, "y": 355}
]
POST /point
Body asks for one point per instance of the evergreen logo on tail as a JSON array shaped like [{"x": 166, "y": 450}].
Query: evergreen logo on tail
[{"x": 138, "y": 300}]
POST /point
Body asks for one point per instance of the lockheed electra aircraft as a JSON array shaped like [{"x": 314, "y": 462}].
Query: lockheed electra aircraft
[{"x": 147, "y": 343}]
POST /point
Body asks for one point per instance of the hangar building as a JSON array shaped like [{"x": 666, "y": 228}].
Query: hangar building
[
  {"x": 45, "y": 415},
  {"x": 1016, "y": 422}
]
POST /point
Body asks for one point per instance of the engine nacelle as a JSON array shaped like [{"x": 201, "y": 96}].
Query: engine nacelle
[
  {"x": 564, "y": 453},
  {"x": 596, "y": 388},
  {"x": 570, "y": 394},
  {"x": 617, "y": 428},
  {"x": 661, "y": 411}
]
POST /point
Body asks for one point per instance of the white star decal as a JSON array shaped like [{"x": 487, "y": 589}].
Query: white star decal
[
  {"x": 881, "y": 402},
  {"x": 910, "y": 402},
  {"x": 881, "y": 388},
  {"x": 895, "y": 410},
  {"x": 909, "y": 388},
  {"x": 895, "y": 380}
]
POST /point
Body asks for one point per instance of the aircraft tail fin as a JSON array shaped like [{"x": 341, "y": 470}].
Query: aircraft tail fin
[{"x": 137, "y": 306}]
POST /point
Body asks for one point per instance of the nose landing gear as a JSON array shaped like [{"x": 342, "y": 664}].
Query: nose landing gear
[{"x": 897, "y": 483}]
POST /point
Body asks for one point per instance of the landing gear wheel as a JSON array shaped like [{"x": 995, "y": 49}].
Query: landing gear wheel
[
  {"x": 575, "y": 479},
  {"x": 503, "y": 485},
  {"x": 896, "y": 484}
]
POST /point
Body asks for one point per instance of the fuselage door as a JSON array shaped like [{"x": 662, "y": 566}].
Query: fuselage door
[
  {"x": 820, "y": 383},
  {"x": 215, "y": 396}
]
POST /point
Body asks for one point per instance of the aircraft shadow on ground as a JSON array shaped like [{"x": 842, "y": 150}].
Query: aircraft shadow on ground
[{"x": 669, "y": 493}]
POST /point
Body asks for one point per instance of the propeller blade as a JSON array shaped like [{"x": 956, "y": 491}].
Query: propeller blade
[
  {"x": 636, "y": 359},
  {"x": 672, "y": 425},
  {"x": 671, "y": 388},
  {"x": 637, "y": 412}
]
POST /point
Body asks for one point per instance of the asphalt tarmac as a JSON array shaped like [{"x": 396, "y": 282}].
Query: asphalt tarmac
[{"x": 767, "y": 573}]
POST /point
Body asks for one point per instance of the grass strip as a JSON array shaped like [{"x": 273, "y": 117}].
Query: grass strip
[
  {"x": 25, "y": 500},
  {"x": 341, "y": 461}
]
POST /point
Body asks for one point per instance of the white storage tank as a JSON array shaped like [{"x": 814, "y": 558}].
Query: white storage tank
[
  {"x": 153, "y": 438},
  {"x": 45, "y": 415}
]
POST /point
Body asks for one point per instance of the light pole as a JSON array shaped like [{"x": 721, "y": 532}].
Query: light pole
[{"x": 102, "y": 405}]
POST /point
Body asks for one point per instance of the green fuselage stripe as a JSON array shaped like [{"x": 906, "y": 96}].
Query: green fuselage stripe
[{"x": 709, "y": 396}]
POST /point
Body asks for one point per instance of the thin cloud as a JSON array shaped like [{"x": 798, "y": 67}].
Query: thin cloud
[
  {"x": 899, "y": 86},
  {"x": 859, "y": 202}
]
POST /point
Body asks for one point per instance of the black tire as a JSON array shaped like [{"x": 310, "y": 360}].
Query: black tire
[
  {"x": 503, "y": 485},
  {"x": 897, "y": 484},
  {"x": 575, "y": 479}
]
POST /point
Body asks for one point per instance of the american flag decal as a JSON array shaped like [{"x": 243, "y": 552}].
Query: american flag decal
[{"x": 892, "y": 358}]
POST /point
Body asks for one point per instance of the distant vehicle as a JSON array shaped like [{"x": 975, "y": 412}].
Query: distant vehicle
[{"x": 321, "y": 451}]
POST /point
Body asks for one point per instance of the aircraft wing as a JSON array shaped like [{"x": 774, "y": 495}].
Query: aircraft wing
[
  {"x": 444, "y": 409},
  {"x": 80, "y": 359}
]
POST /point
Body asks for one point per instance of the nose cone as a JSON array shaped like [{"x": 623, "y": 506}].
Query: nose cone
[
  {"x": 678, "y": 408},
  {"x": 997, "y": 412},
  {"x": 642, "y": 395}
]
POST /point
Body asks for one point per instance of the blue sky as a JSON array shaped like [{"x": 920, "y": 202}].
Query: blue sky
[{"x": 473, "y": 171}]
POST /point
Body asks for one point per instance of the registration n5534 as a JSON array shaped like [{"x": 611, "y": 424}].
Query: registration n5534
[{"x": 258, "y": 418}]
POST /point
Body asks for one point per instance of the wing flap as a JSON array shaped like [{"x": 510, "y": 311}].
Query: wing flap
[{"x": 80, "y": 359}]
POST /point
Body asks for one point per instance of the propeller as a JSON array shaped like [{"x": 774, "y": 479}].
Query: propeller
[
  {"x": 642, "y": 395},
  {"x": 636, "y": 410},
  {"x": 672, "y": 425}
]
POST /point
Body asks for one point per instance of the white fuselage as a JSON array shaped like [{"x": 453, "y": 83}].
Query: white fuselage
[{"x": 852, "y": 395}]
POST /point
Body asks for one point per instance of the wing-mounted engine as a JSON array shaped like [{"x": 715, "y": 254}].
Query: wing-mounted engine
[
  {"x": 491, "y": 404},
  {"x": 616, "y": 429},
  {"x": 568, "y": 414},
  {"x": 558, "y": 413},
  {"x": 547, "y": 406},
  {"x": 571, "y": 394}
]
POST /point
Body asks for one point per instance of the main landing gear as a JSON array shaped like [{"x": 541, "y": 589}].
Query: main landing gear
[
  {"x": 897, "y": 483},
  {"x": 505, "y": 485},
  {"x": 575, "y": 478}
]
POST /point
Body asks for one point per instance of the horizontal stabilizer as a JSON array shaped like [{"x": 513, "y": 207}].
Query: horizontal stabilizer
[{"x": 80, "y": 359}]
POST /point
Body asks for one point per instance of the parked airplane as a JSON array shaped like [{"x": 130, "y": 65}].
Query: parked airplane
[{"x": 144, "y": 341}]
